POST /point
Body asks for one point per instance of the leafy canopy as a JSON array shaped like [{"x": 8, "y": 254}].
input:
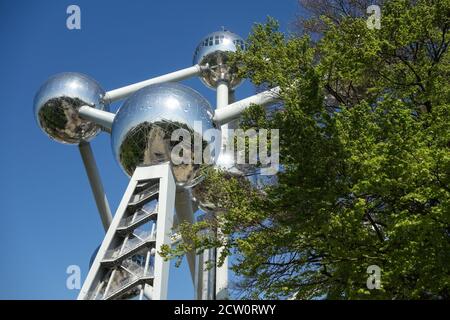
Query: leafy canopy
[{"x": 364, "y": 146}]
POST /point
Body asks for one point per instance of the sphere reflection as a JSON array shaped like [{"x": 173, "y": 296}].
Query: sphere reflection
[
  {"x": 213, "y": 52},
  {"x": 142, "y": 129},
  {"x": 248, "y": 175},
  {"x": 56, "y": 107}
]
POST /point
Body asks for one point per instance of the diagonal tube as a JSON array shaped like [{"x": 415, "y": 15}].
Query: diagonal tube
[
  {"x": 96, "y": 184},
  {"x": 234, "y": 110},
  {"x": 184, "y": 210},
  {"x": 179, "y": 75}
]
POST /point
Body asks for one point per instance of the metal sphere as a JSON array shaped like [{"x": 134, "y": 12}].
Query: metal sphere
[
  {"x": 143, "y": 126},
  {"x": 56, "y": 107},
  {"x": 213, "y": 52},
  {"x": 248, "y": 176},
  {"x": 228, "y": 163},
  {"x": 253, "y": 181}
]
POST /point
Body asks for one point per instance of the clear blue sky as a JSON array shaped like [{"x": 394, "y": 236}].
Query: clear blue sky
[{"x": 48, "y": 216}]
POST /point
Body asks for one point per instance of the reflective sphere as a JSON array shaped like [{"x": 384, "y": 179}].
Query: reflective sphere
[
  {"x": 248, "y": 176},
  {"x": 143, "y": 126},
  {"x": 253, "y": 181},
  {"x": 228, "y": 163},
  {"x": 56, "y": 107},
  {"x": 213, "y": 52}
]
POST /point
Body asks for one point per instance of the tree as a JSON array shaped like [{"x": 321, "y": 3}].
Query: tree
[
  {"x": 312, "y": 22},
  {"x": 365, "y": 178}
]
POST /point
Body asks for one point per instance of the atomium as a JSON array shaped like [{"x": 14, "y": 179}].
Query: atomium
[
  {"x": 56, "y": 107},
  {"x": 213, "y": 52},
  {"x": 154, "y": 125},
  {"x": 142, "y": 129}
]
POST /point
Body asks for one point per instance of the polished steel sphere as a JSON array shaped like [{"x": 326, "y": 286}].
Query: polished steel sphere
[
  {"x": 56, "y": 107},
  {"x": 250, "y": 182},
  {"x": 212, "y": 53},
  {"x": 143, "y": 126},
  {"x": 225, "y": 163},
  {"x": 248, "y": 176}
]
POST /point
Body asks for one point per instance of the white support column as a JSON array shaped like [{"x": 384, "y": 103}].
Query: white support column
[
  {"x": 166, "y": 208},
  {"x": 147, "y": 290},
  {"x": 96, "y": 184},
  {"x": 221, "y": 273},
  {"x": 198, "y": 277},
  {"x": 184, "y": 213},
  {"x": 234, "y": 123},
  {"x": 179, "y": 75},
  {"x": 165, "y": 213},
  {"x": 209, "y": 276},
  {"x": 209, "y": 282},
  {"x": 94, "y": 272},
  {"x": 205, "y": 279},
  {"x": 221, "y": 102}
]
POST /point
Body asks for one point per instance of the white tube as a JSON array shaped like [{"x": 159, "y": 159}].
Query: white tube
[
  {"x": 234, "y": 110},
  {"x": 179, "y": 75},
  {"x": 222, "y": 94},
  {"x": 221, "y": 273},
  {"x": 96, "y": 184},
  {"x": 100, "y": 117},
  {"x": 183, "y": 208},
  {"x": 234, "y": 123},
  {"x": 221, "y": 102}
]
